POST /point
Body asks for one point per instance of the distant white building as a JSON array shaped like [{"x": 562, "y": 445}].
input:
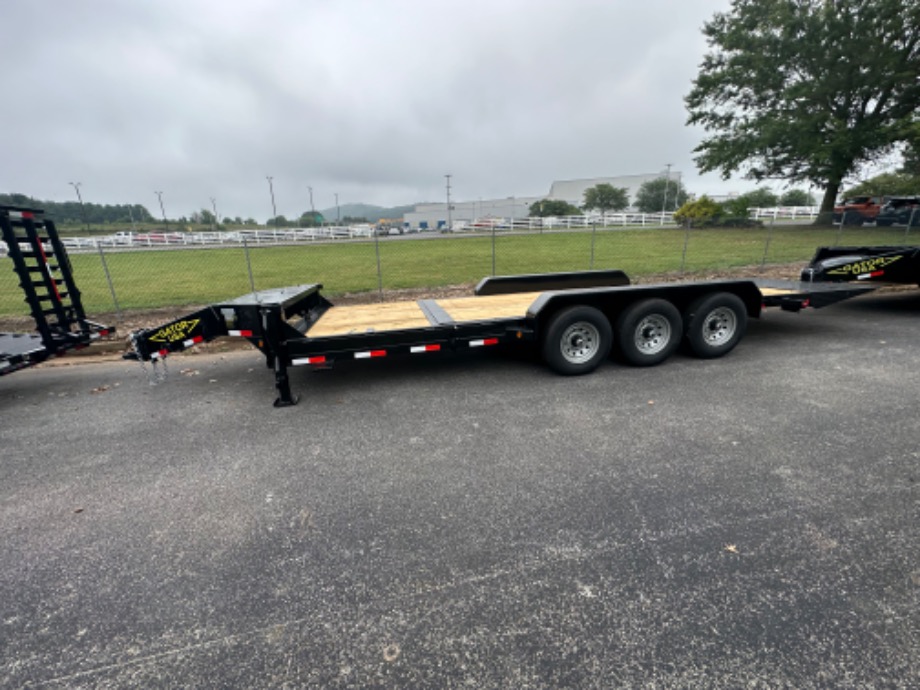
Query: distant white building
[
  {"x": 573, "y": 191},
  {"x": 435, "y": 216},
  {"x": 722, "y": 198}
]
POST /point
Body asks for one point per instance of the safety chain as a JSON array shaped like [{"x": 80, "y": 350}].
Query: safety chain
[{"x": 158, "y": 372}]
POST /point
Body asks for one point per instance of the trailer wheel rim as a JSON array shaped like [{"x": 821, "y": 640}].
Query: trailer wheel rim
[
  {"x": 719, "y": 326},
  {"x": 580, "y": 342},
  {"x": 652, "y": 334}
]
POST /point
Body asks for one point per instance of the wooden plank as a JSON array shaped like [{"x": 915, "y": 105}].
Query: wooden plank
[
  {"x": 395, "y": 316},
  {"x": 777, "y": 291},
  {"x": 488, "y": 307},
  {"x": 369, "y": 318}
]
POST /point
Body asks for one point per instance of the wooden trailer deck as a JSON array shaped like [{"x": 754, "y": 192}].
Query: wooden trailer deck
[
  {"x": 395, "y": 316},
  {"x": 773, "y": 291}
]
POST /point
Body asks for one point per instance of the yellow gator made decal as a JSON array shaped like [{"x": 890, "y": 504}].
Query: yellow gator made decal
[
  {"x": 180, "y": 330},
  {"x": 865, "y": 266}
]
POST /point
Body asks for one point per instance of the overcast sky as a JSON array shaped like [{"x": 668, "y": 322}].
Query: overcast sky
[{"x": 374, "y": 100}]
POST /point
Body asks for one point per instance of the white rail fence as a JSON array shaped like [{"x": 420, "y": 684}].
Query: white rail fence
[
  {"x": 784, "y": 213},
  {"x": 129, "y": 240}
]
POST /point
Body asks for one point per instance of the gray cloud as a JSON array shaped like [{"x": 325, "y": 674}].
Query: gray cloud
[{"x": 373, "y": 100}]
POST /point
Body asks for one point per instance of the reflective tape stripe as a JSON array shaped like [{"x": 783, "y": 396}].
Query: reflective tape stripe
[
  {"x": 241, "y": 334},
  {"x": 308, "y": 360},
  {"x": 193, "y": 341},
  {"x": 370, "y": 353},
  {"x": 424, "y": 348},
  {"x": 482, "y": 343}
]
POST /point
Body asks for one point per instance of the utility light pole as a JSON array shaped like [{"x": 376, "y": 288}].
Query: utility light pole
[
  {"x": 338, "y": 211},
  {"x": 76, "y": 186},
  {"x": 667, "y": 181},
  {"x": 216, "y": 217},
  {"x": 271, "y": 191},
  {"x": 162, "y": 210},
  {"x": 450, "y": 224}
]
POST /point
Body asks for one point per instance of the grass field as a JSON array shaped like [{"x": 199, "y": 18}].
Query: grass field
[{"x": 177, "y": 277}]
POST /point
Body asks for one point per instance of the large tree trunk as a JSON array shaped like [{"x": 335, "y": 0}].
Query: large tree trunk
[{"x": 826, "y": 212}]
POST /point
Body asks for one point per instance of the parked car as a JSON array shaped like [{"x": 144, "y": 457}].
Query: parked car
[
  {"x": 858, "y": 210},
  {"x": 900, "y": 210}
]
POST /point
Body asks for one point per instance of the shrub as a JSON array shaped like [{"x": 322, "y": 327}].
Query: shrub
[{"x": 698, "y": 212}]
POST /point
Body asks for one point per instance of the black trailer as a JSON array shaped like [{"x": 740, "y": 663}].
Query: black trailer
[
  {"x": 574, "y": 318},
  {"x": 40, "y": 261},
  {"x": 878, "y": 264}
]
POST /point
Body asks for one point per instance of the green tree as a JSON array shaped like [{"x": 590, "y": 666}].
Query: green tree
[
  {"x": 204, "y": 217},
  {"x": 661, "y": 194},
  {"x": 605, "y": 197},
  {"x": 796, "y": 197},
  {"x": 311, "y": 219},
  {"x": 806, "y": 90},
  {"x": 890, "y": 184},
  {"x": 18, "y": 199},
  {"x": 911, "y": 153},
  {"x": 72, "y": 212},
  {"x": 277, "y": 222},
  {"x": 758, "y": 198},
  {"x": 553, "y": 207}
]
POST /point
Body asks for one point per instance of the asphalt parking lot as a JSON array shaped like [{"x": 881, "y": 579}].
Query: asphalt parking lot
[{"x": 474, "y": 521}]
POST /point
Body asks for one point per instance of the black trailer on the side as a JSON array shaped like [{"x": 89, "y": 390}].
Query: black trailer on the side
[
  {"x": 43, "y": 268},
  {"x": 898, "y": 264},
  {"x": 575, "y": 319}
]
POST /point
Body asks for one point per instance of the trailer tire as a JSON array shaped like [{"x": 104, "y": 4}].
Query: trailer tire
[
  {"x": 648, "y": 332},
  {"x": 577, "y": 340},
  {"x": 715, "y": 324}
]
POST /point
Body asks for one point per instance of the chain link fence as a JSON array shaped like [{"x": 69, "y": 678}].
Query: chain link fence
[{"x": 116, "y": 279}]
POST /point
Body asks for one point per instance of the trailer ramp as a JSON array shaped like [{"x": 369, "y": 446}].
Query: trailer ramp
[{"x": 46, "y": 278}]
